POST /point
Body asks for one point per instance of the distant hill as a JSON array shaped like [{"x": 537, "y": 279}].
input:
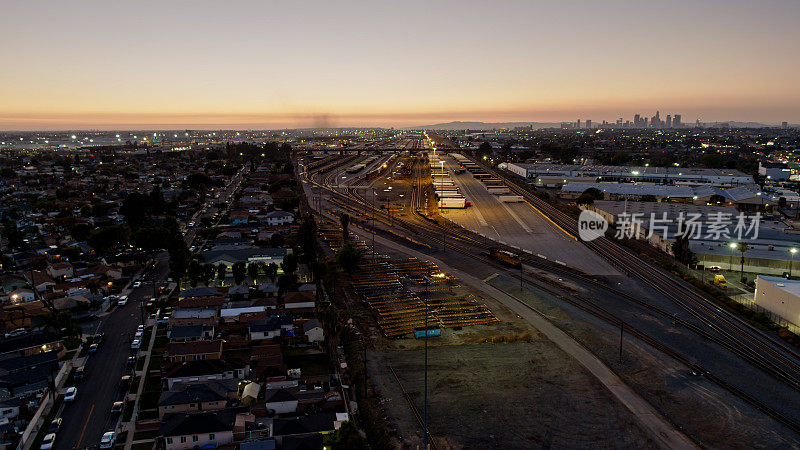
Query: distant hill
[{"x": 458, "y": 125}]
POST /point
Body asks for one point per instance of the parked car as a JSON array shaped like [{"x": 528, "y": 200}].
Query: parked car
[
  {"x": 98, "y": 338},
  {"x": 123, "y": 300},
  {"x": 80, "y": 373},
  {"x": 140, "y": 328},
  {"x": 136, "y": 344},
  {"x": 93, "y": 348},
  {"x": 71, "y": 393},
  {"x": 137, "y": 284},
  {"x": 116, "y": 408},
  {"x": 107, "y": 441},
  {"x": 131, "y": 361},
  {"x": 54, "y": 425},
  {"x": 17, "y": 332},
  {"x": 48, "y": 441},
  {"x": 125, "y": 381}
]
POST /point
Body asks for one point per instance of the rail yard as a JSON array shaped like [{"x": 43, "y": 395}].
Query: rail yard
[{"x": 402, "y": 202}]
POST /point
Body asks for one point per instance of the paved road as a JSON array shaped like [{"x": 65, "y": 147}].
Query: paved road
[{"x": 86, "y": 419}]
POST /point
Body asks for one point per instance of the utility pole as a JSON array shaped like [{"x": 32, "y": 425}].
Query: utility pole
[{"x": 425, "y": 405}]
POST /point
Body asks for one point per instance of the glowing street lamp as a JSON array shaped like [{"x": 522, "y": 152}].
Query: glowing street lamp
[
  {"x": 792, "y": 251},
  {"x": 733, "y": 246}
]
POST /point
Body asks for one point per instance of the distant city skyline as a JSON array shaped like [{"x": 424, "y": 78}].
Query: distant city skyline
[{"x": 260, "y": 65}]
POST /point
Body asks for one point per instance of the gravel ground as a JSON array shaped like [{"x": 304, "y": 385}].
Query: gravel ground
[{"x": 517, "y": 395}]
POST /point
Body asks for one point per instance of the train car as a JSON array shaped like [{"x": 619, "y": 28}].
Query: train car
[
  {"x": 355, "y": 169},
  {"x": 499, "y": 190},
  {"x": 507, "y": 258},
  {"x": 453, "y": 202}
]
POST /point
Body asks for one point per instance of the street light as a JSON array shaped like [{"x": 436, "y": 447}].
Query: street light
[
  {"x": 733, "y": 246},
  {"x": 791, "y": 261}
]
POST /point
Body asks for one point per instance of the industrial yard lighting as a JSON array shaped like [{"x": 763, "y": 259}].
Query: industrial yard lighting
[
  {"x": 733, "y": 246},
  {"x": 792, "y": 251}
]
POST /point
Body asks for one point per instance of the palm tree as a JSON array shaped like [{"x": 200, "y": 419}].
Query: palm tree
[
  {"x": 344, "y": 219},
  {"x": 742, "y": 247}
]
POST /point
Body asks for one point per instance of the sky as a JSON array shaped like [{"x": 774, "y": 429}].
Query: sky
[{"x": 283, "y": 64}]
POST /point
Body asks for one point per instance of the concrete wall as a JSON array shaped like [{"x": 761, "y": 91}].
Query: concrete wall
[{"x": 771, "y": 297}]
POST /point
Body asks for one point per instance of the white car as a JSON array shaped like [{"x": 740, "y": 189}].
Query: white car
[
  {"x": 47, "y": 442},
  {"x": 69, "y": 396},
  {"x": 140, "y": 328},
  {"x": 138, "y": 335},
  {"x": 136, "y": 344},
  {"x": 122, "y": 300},
  {"x": 107, "y": 441},
  {"x": 137, "y": 284}
]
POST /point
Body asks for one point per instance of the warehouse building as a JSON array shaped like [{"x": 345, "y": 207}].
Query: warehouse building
[
  {"x": 780, "y": 297},
  {"x": 685, "y": 176}
]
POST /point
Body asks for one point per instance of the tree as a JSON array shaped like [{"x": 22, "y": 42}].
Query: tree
[
  {"x": 289, "y": 264},
  {"x": 484, "y": 150},
  {"x": 135, "y": 208},
  {"x": 194, "y": 272},
  {"x": 178, "y": 257},
  {"x": 108, "y": 237},
  {"x": 252, "y": 271},
  {"x": 277, "y": 240},
  {"x": 271, "y": 271},
  {"x": 742, "y": 247},
  {"x": 680, "y": 248},
  {"x": 80, "y": 232},
  {"x": 286, "y": 283},
  {"x": 348, "y": 257},
  {"x": 344, "y": 220},
  {"x": 588, "y": 196},
  {"x": 208, "y": 273},
  {"x": 347, "y": 437},
  {"x": 239, "y": 272},
  {"x": 157, "y": 201},
  {"x": 222, "y": 272}
]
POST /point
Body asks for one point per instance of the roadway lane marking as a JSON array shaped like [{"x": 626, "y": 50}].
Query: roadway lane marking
[
  {"x": 83, "y": 430},
  {"x": 490, "y": 277},
  {"x": 551, "y": 221}
]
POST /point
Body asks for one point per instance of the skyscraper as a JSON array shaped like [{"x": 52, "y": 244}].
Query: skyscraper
[
  {"x": 578, "y": 123},
  {"x": 784, "y": 125},
  {"x": 637, "y": 120},
  {"x": 676, "y": 121},
  {"x": 588, "y": 123},
  {"x": 669, "y": 121}
]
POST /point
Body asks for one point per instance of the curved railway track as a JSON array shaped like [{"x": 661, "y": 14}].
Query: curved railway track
[{"x": 433, "y": 231}]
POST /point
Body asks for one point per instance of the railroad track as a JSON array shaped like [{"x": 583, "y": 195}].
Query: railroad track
[
  {"x": 433, "y": 232},
  {"x": 414, "y": 410}
]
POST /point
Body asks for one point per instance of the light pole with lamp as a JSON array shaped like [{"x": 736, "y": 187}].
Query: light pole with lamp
[
  {"x": 792, "y": 251},
  {"x": 733, "y": 246}
]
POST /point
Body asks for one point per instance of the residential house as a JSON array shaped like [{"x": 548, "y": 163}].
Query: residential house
[
  {"x": 194, "y": 350},
  {"x": 194, "y": 397},
  {"x": 203, "y": 371}
]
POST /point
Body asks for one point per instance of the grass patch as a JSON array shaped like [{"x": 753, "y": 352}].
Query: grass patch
[
  {"x": 127, "y": 413},
  {"x": 142, "y": 435},
  {"x": 317, "y": 364},
  {"x": 148, "y": 400},
  {"x": 156, "y": 362}
]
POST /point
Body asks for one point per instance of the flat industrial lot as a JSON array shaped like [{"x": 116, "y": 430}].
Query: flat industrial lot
[{"x": 520, "y": 225}]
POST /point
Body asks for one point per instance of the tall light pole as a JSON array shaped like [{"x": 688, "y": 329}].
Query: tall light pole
[
  {"x": 792, "y": 251},
  {"x": 733, "y": 246}
]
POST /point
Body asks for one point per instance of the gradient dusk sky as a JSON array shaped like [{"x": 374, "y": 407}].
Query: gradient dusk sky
[{"x": 274, "y": 64}]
